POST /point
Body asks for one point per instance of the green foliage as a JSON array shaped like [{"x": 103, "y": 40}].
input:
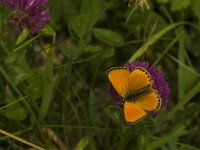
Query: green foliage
[
  {"x": 151, "y": 41},
  {"x": 113, "y": 113},
  {"x": 107, "y": 36},
  {"x": 49, "y": 31},
  {"x": 163, "y": 1},
  {"x": 177, "y": 5},
  {"x": 195, "y": 7},
  {"x": 15, "y": 112},
  {"x": 53, "y": 84},
  {"x": 22, "y": 36},
  {"x": 180, "y": 5},
  {"x": 176, "y": 132}
]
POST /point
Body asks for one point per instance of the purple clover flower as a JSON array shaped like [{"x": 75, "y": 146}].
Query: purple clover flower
[
  {"x": 28, "y": 13},
  {"x": 160, "y": 84}
]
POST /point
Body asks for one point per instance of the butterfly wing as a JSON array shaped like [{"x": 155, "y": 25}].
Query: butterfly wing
[
  {"x": 118, "y": 77},
  {"x": 149, "y": 102},
  {"x": 138, "y": 79},
  {"x": 133, "y": 113}
]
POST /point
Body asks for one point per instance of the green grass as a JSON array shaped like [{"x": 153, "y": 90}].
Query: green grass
[{"x": 53, "y": 86}]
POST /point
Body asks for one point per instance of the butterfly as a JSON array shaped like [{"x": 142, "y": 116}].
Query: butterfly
[{"x": 135, "y": 88}]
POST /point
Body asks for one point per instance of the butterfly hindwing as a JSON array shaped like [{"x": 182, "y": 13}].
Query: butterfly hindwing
[
  {"x": 133, "y": 113},
  {"x": 139, "y": 78},
  {"x": 119, "y": 80},
  {"x": 149, "y": 102}
]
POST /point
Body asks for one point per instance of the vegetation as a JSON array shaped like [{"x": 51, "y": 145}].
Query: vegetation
[{"x": 54, "y": 92}]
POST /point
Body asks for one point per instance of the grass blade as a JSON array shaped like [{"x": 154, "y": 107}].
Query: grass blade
[
  {"x": 152, "y": 40},
  {"x": 47, "y": 84},
  {"x": 21, "y": 140},
  {"x": 187, "y": 98},
  {"x": 166, "y": 138},
  {"x": 169, "y": 47}
]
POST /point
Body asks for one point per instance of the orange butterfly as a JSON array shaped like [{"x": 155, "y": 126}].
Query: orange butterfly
[{"x": 135, "y": 88}]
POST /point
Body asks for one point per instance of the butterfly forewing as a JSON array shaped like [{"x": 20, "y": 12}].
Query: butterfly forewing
[
  {"x": 138, "y": 79},
  {"x": 119, "y": 80}
]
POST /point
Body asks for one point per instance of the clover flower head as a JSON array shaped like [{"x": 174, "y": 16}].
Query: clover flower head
[
  {"x": 32, "y": 14},
  {"x": 159, "y": 82}
]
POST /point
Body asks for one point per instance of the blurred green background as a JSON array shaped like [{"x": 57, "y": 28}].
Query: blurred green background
[{"x": 54, "y": 88}]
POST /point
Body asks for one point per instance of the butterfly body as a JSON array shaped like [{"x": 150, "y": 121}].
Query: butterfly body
[
  {"x": 135, "y": 88},
  {"x": 133, "y": 96}
]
